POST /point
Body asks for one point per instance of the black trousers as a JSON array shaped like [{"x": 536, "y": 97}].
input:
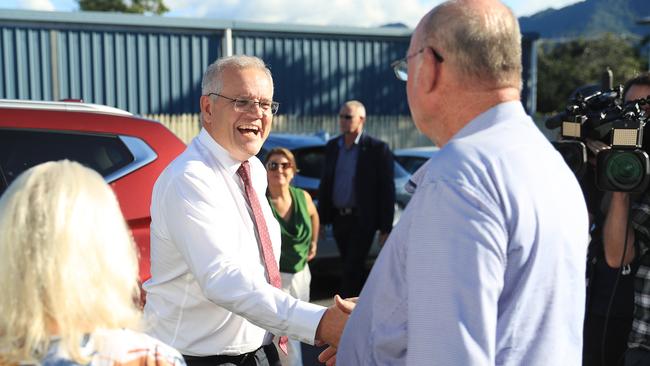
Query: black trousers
[
  {"x": 263, "y": 356},
  {"x": 354, "y": 244},
  {"x": 637, "y": 357},
  {"x": 618, "y": 331}
]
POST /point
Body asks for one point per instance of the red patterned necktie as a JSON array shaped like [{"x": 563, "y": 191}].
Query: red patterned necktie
[{"x": 270, "y": 263}]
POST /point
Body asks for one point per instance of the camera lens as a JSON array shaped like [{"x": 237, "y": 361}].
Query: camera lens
[{"x": 624, "y": 170}]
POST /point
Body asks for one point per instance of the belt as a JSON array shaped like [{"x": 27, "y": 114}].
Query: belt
[
  {"x": 346, "y": 211},
  {"x": 219, "y": 359}
]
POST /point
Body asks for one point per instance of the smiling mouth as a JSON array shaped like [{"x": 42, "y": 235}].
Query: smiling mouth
[{"x": 246, "y": 130}]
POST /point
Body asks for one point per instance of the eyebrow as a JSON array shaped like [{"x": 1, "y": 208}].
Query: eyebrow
[{"x": 251, "y": 97}]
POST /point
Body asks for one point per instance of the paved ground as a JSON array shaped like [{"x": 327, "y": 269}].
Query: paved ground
[
  {"x": 310, "y": 355},
  {"x": 323, "y": 289},
  {"x": 324, "y": 285}
]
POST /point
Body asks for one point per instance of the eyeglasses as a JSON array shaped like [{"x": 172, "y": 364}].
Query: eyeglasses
[
  {"x": 273, "y": 166},
  {"x": 401, "y": 66},
  {"x": 248, "y": 105}
]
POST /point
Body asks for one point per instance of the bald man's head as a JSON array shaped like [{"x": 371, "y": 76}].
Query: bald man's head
[{"x": 481, "y": 38}]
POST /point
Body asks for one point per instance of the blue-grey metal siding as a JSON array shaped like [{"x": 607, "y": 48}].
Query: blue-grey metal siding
[
  {"x": 24, "y": 65},
  {"x": 142, "y": 72},
  {"x": 315, "y": 74}
]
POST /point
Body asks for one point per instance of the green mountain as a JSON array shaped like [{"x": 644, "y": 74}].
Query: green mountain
[{"x": 590, "y": 17}]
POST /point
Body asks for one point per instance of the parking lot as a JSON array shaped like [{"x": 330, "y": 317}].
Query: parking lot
[{"x": 323, "y": 289}]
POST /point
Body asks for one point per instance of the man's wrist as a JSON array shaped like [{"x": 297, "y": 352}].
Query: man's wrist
[{"x": 306, "y": 320}]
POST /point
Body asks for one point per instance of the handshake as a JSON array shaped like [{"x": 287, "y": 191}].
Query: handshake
[{"x": 331, "y": 327}]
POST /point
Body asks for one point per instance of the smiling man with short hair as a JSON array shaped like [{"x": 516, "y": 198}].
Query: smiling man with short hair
[{"x": 215, "y": 291}]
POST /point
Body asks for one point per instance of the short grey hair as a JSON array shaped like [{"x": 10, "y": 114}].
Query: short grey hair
[
  {"x": 483, "y": 43},
  {"x": 356, "y": 105},
  {"x": 213, "y": 77}
]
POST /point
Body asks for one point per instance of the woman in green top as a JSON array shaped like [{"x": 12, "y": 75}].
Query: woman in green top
[{"x": 298, "y": 218}]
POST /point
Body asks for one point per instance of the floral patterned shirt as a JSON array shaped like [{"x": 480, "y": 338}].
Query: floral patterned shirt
[{"x": 117, "y": 347}]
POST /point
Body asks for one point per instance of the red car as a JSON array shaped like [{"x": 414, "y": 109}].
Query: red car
[{"x": 128, "y": 151}]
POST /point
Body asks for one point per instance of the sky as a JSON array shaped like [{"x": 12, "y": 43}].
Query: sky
[{"x": 362, "y": 13}]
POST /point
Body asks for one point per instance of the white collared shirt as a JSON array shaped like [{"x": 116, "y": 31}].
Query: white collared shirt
[{"x": 208, "y": 293}]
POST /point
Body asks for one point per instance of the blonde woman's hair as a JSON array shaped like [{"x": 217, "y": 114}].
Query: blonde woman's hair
[{"x": 68, "y": 264}]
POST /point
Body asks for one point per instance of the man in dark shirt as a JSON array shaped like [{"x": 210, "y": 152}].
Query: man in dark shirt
[
  {"x": 627, "y": 216},
  {"x": 357, "y": 193}
]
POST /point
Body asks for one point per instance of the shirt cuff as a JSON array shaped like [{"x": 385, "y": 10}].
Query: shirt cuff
[{"x": 304, "y": 322}]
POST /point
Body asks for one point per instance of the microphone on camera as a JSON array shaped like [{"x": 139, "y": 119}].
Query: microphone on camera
[
  {"x": 555, "y": 121},
  {"x": 607, "y": 79}
]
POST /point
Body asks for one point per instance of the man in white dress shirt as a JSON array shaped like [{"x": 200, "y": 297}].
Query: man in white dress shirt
[
  {"x": 487, "y": 263},
  {"x": 210, "y": 295}
]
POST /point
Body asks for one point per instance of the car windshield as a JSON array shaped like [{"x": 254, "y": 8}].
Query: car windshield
[
  {"x": 411, "y": 163},
  {"x": 311, "y": 162},
  {"x": 400, "y": 172}
]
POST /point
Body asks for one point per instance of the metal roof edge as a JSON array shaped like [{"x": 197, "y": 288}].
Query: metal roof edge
[
  {"x": 156, "y": 21},
  {"x": 62, "y": 106}
]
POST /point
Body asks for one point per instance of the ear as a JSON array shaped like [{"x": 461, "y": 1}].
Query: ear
[
  {"x": 427, "y": 75},
  {"x": 205, "y": 103}
]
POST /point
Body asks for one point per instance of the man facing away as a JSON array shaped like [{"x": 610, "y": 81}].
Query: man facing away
[
  {"x": 356, "y": 193},
  {"x": 215, "y": 244},
  {"x": 487, "y": 263}
]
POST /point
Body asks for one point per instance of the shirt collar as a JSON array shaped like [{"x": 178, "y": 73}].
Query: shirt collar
[
  {"x": 417, "y": 176},
  {"x": 497, "y": 114},
  {"x": 356, "y": 140},
  {"x": 500, "y": 113},
  {"x": 218, "y": 152}
]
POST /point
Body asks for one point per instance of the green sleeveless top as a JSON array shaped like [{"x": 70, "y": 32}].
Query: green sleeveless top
[{"x": 296, "y": 233}]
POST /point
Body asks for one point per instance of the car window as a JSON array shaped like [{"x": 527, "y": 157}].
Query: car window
[
  {"x": 23, "y": 149},
  {"x": 399, "y": 170},
  {"x": 411, "y": 163},
  {"x": 262, "y": 154},
  {"x": 310, "y": 161}
]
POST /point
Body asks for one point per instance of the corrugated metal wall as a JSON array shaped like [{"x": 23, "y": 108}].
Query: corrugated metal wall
[
  {"x": 315, "y": 74},
  {"x": 154, "y": 65},
  {"x": 142, "y": 72},
  {"x": 25, "y": 63}
]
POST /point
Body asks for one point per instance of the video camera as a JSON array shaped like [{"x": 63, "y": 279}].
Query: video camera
[{"x": 603, "y": 116}]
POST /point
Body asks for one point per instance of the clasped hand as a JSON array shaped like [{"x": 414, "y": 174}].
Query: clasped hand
[{"x": 331, "y": 327}]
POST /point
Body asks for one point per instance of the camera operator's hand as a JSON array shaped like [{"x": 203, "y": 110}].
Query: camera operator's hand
[{"x": 595, "y": 147}]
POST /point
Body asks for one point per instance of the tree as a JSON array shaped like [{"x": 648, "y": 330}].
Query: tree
[
  {"x": 565, "y": 66},
  {"x": 135, "y": 6}
]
